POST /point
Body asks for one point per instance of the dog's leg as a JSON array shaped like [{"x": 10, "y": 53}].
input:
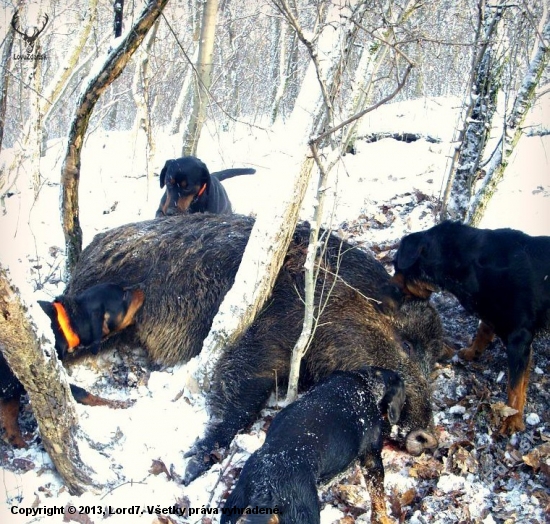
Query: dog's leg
[
  {"x": 484, "y": 336},
  {"x": 9, "y": 413},
  {"x": 518, "y": 347},
  {"x": 374, "y": 477},
  {"x": 87, "y": 399},
  {"x": 136, "y": 301}
]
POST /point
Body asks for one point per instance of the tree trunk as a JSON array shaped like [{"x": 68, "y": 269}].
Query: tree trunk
[
  {"x": 476, "y": 118},
  {"x": 118, "y": 7},
  {"x": 370, "y": 62},
  {"x": 203, "y": 79},
  {"x": 179, "y": 108},
  {"x": 142, "y": 133},
  {"x": 513, "y": 132},
  {"x": 45, "y": 103},
  {"x": 279, "y": 57},
  {"x": 65, "y": 72},
  {"x": 44, "y": 379},
  {"x": 262, "y": 260},
  {"x": 4, "y": 82},
  {"x": 112, "y": 67}
]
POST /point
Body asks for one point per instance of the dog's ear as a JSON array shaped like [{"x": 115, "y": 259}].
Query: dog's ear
[
  {"x": 394, "y": 398},
  {"x": 163, "y": 174},
  {"x": 48, "y": 308},
  {"x": 409, "y": 251},
  {"x": 205, "y": 173}
]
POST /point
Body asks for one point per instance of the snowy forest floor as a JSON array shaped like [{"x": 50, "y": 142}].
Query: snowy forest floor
[{"x": 389, "y": 188}]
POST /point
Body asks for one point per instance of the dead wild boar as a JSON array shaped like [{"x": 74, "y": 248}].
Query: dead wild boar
[{"x": 186, "y": 264}]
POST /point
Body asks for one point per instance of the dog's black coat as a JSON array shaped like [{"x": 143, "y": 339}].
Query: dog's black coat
[
  {"x": 314, "y": 439},
  {"x": 191, "y": 188},
  {"x": 95, "y": 313},
  {"x": 92, "y": 315},
  {"x": 502, "y": 276}
]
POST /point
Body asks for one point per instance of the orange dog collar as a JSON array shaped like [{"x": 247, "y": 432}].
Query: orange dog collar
[
  {"x": 65, "y": 324},
  {"x": 201, "y": 191}
]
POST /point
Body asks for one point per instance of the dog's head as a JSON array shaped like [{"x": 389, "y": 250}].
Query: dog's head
[
  {"x": 394, "y": 397},
  {"x": 66, "y": 339},
  {"x": 440, "y": 258},
  {"x": 187, "y": 179},
  {"x": 83, "y": 321}
]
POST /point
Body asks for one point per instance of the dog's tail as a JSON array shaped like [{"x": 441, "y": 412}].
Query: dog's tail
[{"x": 230, "y": 173}]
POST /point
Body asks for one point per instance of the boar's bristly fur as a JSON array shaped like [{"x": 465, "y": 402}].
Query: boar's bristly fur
[{"x": 186, "y": 264}]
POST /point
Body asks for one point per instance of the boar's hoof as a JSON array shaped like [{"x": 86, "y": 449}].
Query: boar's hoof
[
  {"x": 420, "y": 440},
  {"x": 199, "y": 462}
]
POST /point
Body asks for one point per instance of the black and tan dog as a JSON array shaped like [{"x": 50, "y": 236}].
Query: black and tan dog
[
  {"x": 81, "y": 321},
  {"x": 501, "y": 275},
  {"x": 191, "y": 188},
  {"x": 312, "y": 440},
  {"x": 86, "y": 319}
]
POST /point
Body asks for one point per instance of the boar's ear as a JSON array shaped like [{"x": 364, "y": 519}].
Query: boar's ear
[
  {"x": 48, "y": 308},
  {"x": 409, "y": 250},
  {"x": 394, "y": 399}
]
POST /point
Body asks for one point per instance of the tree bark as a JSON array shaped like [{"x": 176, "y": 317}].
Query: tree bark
[
  {"x": 4, "y": 82},
  {"x": 477, "y": 117},
  {"x": 513, "y": 132},
  {"x": 142, "y": 98},
  {"x": 203, "y": 79},
  {"x": 44, "y": 379},
  {"x": 112, "y": 67},
  {"x": 260, "y": 265},
  {"x": 370, "y": 62}
]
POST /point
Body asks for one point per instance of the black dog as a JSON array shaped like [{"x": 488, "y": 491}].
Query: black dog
[
  {"x": 81, "y": 321},
  {"x": 502, "y": 275},
  {"x": 315, "y": 438},
  {"x": 190, "y": 188},
  {"x": 84, "y": 320}
]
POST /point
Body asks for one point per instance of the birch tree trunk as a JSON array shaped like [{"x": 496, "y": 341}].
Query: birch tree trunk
[
  {"x": 203, "y": 79},
  {"x": 112, "y": 67},
  {"x": 369, "y": 64},
  {"x": 259, "y": 268},
  {"x": 56, "y": 88},
  {"x": 513, "y": 131},
  {"x": 4, "y": 83},
  {"x": 278, "y": 63},
  {"x": 141, "y": 94},
  {"x": 43, "y": 104},
  {"x": 272, "y": 232},
  {"x": 179, "y": 108},
  {"x": 477, "y": 116},
  {"x": 44, "y": 380}
]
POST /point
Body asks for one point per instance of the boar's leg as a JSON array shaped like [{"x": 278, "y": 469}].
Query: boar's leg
[{"x": 245, "y": 377}]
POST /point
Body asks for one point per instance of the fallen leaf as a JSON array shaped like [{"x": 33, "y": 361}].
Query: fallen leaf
[
  {"x": 158, "y": 467},
  {"x": 426, "y": 468},
  {"x": 536, "y": 457}
]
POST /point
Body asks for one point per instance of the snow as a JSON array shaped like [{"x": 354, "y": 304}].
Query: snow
[{"x": 168, "y": 413}]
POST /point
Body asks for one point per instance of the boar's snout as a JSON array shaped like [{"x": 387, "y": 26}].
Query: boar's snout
[{"x": 419, "y": 441}]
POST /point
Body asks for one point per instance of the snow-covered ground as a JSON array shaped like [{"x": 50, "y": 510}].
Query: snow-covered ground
[{"x": 387, "y": 189}]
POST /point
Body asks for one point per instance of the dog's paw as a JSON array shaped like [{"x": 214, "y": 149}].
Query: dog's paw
[
  {"x": 468, "y": 354},
  {"x": 16, "y": 440},
  {"x": 120, "y": 404},
  {"x": 512, "y": 424}
]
